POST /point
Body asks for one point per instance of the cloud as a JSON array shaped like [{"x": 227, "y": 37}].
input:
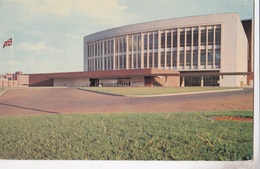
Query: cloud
[
  {"x": 109, "y": 12},
  {"x": 34, "y": 47}
]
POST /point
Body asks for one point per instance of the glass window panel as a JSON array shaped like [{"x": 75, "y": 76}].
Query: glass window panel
[
  {"x": 130, "y": 43},
  {"x": 188, "y": 38},
  {"x": 108, "y": 47},
  {"x": 181, "y": 58},
  {"x": 218, "y": 36},
  {"x": 145, "y": 42},
  {"x": 129, "y": 61},
  {"x": 210, "y": 36},
  {"x": 217, "y": 57},
  {"x": 195, "y": 37},
  {"x": 156, "y": 40},
  {"x": 175, "y": 39},
  {"x": 139, "y": 42},
  {"x": 151, "y": 41},
  {"x": 168, "y": 62},
  {"x": 174, "y": 58},
  {"x": 145, "y": 60},
  {"x": 188, "y": 58},
  {"x": 155, "y": 59},
  {"x": 195, "y": 58},
  {"x": 139, "y": 60},
  {"x": 112, "y": 46},
  {"x": 203, "y": 37},
  {"x": 163, "y": 40},
  {"x": 162, "y": 59},
  {"x": 169, "y": 38},
  {"x": 202, "y": 57},
  {"x": 150, "y": 59},
  {"x": 182, "y": 38},
  {"x": 210, "y": 57}
]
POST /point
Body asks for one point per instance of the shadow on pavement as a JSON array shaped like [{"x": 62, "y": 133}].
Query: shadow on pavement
[{"x": 28, "y": 108}]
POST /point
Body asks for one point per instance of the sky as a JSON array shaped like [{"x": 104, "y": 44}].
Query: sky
[{"x": 48, "y": 34}]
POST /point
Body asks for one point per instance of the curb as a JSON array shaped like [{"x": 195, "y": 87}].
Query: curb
[{"x": 187, "y": 93}]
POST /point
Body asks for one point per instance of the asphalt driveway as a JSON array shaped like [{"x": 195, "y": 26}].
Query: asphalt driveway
[{"x": 40, "y": 101}]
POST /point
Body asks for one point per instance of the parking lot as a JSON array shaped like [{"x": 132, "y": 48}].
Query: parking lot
[{"x": 40, "y": 101}]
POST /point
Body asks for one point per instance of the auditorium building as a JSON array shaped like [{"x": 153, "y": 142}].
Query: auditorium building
[{"x": 210, "y": 50}]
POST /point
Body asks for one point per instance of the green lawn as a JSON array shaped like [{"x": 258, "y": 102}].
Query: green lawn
[
  {"x": 127, "y": 136},
  {"x": 151, "y": 90}
]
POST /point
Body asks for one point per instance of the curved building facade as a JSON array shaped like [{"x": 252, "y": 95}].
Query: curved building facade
[{"x": 209, "y": 50}]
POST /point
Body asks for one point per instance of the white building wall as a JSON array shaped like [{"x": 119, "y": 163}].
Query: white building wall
[
  {"x": 233, "y": 52},
  {"x": 71, "y": 82}
]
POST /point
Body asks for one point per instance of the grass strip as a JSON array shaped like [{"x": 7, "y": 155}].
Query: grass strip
[
  {"x": 127, "y": 91},
  {"x": 127, "y": 136}
]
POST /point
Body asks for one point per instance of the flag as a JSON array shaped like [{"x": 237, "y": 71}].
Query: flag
[{"x": 8, "y": 42}]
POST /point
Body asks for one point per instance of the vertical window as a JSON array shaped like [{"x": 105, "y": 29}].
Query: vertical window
[
  {"x": 210, "y": 36},
  {"x": 108, "y": 47},
  {"x": 218, "y": 36},
  {"x": 203, "y": 37},
  {"x": 124, "y": 44},
  {"x": 130, "y": 61},
  {"x": 95, "y": 49},
  {"x": 162, "y": 59},
  {"x": 138, "y": 42},
  {"x": 188, "y": 38},
  {"x": 150, "y": 60},
  {"x": 182, "y": 38},
  {"x": 156, "y": 40},
  {"x": 163, "y": 40},
  {"x": 112, "y": 62},
  {"x": 155, "y": 59},
  {"x": 101, "y": 47},
  {"x": 174, "y": 58},
  {"x": 117, "y": 44},
  {"x": 188, "y": 58},
  {"x": 169, "y": 39},
  {"x": 195, "y": 58},
  {"x": 202, "y": 57},
  {"x": 124, "y": 61},
  {"x": 116, "y": 62},
  {"x": 151, "y": 40},
  {"x": 195, "y": 37},
  {"x": 145, "y": 60},
  {"x": 134, "y": 61},
  {"x": 130, "y": 43},
  {"x": 121, "y": 45},
  {"x": 168, "y": 61},
  {"x": 139, "y": 60},
  {"x": 105, "y": 47},
  {"x": 210, "y": 57},
  {"x": 217, "y": 57},
  {"x": 135, "y": 43},
  {"x": 112, "y": 47},
  {"x": 181, "y": 58},
  {"x": 175, "y": 39},
  {"x": 145, "y": 42}
]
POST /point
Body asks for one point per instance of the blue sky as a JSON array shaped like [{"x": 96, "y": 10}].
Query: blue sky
[{"x": 48, "y": 34}]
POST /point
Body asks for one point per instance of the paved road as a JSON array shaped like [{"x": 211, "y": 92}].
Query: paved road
[{"x": 36, "y": 101}]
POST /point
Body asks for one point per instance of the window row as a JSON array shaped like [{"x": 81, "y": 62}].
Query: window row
[
  {"x": 170, "y": 60},
  {"x": 173, "y": 38}
]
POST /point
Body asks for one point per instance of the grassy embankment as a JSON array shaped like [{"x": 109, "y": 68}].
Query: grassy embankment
[
  {"x": 126, "y": 91},
  {"x": 127, "y": 136}
]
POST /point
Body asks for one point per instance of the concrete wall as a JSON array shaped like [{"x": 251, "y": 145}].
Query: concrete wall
[
  {"x": 71, "y": 82},
  {"x": 234, "y": 51}
]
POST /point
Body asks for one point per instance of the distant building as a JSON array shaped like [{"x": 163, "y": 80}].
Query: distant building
[
  {"x": 210, "y": 50},
  {"x": 18, "y": 79}
]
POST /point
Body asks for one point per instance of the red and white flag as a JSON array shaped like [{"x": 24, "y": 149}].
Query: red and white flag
[{"x": 8, "y": 42}]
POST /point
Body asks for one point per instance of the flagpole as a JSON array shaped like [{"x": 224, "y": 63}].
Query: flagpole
[{"x": 12, "y": 59}]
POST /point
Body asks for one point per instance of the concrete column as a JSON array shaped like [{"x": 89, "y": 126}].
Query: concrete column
[
  {"x": 127, "y": 48},
  {"x": 201, "y": 81},
  {"x": 183, "y": 81}
]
